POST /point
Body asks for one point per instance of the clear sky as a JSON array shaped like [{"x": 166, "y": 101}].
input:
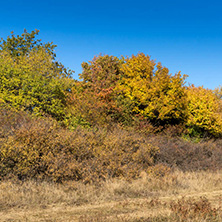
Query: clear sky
[{"x": 184, "y": 35}]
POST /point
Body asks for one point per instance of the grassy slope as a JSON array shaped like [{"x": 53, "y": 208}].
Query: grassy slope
[{"x": 145, "y": 199}]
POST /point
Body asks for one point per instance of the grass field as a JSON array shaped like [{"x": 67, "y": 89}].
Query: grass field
[{"x": 178, "y": 196}]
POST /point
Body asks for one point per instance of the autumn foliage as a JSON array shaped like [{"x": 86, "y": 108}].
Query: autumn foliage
[
  {"x": 107, "y": 124},
  {"x": 153, "y": 91},
  {"x": 204, "y": 111},
  {"x": 93, "y": 98},
  {"x": 31, "y": 79},
  {"x": 40, "y": 148}
]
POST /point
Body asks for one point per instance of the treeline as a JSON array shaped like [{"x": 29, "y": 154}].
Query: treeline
[
  {"x": 140, "y": 93},
  {"x": 115, "y": 121},
  {"x": 132, "y": 92}
]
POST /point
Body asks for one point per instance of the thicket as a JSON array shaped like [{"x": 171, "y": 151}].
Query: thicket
[
  {"x": 124, "y": 116},
  {"x": 40, "y": 148},
  {"x": 33, "y": 147}
]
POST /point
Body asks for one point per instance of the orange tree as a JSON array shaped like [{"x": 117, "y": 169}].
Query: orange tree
[{"x": 92, "y": 101}]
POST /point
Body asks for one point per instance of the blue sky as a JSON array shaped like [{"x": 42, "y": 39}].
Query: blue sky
[{"x": 183, "y": 35}]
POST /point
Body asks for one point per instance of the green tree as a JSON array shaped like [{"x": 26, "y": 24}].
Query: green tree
[
  {"x": 30, "y": 77},
  {"x": 24, "y": 44}
]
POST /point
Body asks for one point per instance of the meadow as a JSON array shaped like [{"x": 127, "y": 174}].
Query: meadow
[{"x": 178, "y": 196}]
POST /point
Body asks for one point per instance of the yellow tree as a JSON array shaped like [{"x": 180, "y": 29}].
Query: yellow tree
[
  {"x": 204, "y": 111},
  {"x": 154, "y": 93}
]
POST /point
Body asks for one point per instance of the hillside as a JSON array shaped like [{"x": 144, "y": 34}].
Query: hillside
[{"x": 128, "y": 141}]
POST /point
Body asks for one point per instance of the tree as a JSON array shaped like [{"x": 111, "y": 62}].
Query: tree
[
  {"x": 93, "y": 98},
  {"x": 154, "y": 93},
  {"x": 204, "y": 111},
  {"x": 30, "y": 77},
  {"x": 24, "y": 44},
  {"x": 102, "y": 72}
]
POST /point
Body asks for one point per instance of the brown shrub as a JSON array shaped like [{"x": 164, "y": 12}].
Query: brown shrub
[
  {"x": 41, "y": 149},
  {"x": 192, "y": 209},
  {"x": 188, "y": 156},
  {"x": 11, "y": 120}
]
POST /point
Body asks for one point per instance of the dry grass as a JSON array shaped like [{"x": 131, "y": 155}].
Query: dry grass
[{"x": 145, "y": 199}]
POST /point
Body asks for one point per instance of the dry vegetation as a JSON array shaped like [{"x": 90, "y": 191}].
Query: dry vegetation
[
  {"x": 49, "y": 173},
  {"x": 178, "y": 196}
]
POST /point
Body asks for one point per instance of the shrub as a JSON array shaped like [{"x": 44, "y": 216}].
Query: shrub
[
  {"x": 41, "y": 149},
  {"x": 192, "y": 209},
  {"x": 186, "y": 155}
]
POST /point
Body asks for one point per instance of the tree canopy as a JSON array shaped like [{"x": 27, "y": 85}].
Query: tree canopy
[
  {"x": 30, "y": 77},
  {"x": 111, "y": 90},
  {"x": 153, "y": 91}
]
